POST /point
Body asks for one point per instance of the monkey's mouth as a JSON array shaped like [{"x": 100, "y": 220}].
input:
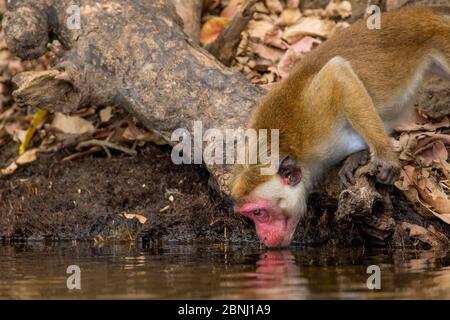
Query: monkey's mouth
[{"x": 279, "y": 233}]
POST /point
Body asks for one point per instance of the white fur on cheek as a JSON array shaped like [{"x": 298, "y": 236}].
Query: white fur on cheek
[{"x": 292, "y": 200}]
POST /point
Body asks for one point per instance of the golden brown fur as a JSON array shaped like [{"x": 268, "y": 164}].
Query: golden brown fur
[{"x": 309, "y": 105}]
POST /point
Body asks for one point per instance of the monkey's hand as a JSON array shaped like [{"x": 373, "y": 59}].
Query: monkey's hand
[
  {"x": 385, "y": 169},
  {"x": 353, "y": 162}
]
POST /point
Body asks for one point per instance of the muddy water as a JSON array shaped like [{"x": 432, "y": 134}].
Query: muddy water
[{"x": 38, "y": 271}]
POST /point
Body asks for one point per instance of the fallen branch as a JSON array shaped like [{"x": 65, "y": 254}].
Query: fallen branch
[
  {"x": 167, "y": 83},
  {"x": 106, "y": 144},
  {"x": 82, "y": 154}
]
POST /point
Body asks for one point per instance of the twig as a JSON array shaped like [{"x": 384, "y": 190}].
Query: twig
[
  {"x": 226, "y": 44},
  {"x": 106, "y": 144},
  {"x": 82, "y": 154}
]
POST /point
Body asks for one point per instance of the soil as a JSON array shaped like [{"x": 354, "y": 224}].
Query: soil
[{"x": 51, "y": 199}]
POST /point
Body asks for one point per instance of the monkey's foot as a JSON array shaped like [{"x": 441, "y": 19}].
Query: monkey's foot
[
  {"x": 353, "y": 162},
  {"x": 385, "y": 171}
]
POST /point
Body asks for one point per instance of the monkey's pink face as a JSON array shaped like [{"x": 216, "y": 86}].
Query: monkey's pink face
[
  {"x": 273, "y": 226},
  {"x": 276, "y": 205}
]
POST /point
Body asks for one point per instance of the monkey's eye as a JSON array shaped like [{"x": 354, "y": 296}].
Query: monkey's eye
[{"x": 256, "y": 212}]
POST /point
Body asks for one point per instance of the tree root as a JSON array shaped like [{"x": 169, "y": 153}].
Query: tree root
[{"x": 52, "y": 90}]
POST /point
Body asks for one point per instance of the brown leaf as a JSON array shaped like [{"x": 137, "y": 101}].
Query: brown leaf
[
  {"x": 28, "y": 157},
  {"x": 258, "y": 29},
  {"x": 341, "y": 8},
  {"x": 309, "y": 26},
  {"x": 132, "y": 215},
  {"x": 274, "y": 39},
  {"x": 289, "y": 17},
  {"x": 9, "y": 170},
  {"x": 106, "y": 114},
  {"x": 133, "y": 133},
  {"x": 394, "y": 4},
  {"x": 294, "y": 53},
  {"x": 429, "y": 236},
  {"x": 407, "y": 178},
  {"x": 433, "y": 152},
  {"x": 418, "y": 121},
  {"x": 424, "y": 189},
  {"x": 274, "y": 6},
  {"x": 72, "y": 124},
  {"x": 212, "y": 28},
  {"x": 433, "y": 195},
  {"x": 266, "y": 52},
  {"x": 7, "y": 113},
  {"x": 293, "y": 3},
  {"x": 231, "y": 9}
]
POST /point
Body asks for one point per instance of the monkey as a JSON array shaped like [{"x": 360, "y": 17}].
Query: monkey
[{"x": 340, "y": 104}]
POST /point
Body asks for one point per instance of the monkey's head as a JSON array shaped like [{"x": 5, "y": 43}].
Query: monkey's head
[{"x": 275, "y": 203}]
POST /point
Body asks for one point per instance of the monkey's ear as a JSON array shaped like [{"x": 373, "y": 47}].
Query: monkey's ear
[{"x": 289, "y": 171}]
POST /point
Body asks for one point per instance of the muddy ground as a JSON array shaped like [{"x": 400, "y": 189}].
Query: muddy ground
[{"x": 84, "y": 199}]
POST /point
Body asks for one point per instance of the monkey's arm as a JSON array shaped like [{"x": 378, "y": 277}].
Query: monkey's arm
[{"x": 349, "y": 98}]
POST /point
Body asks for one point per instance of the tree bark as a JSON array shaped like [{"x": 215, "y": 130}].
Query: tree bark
[
  {"x": 167, "y": 81},
  {"x": 190, "y": 11}
]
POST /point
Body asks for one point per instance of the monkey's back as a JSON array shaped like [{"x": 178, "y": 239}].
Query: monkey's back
[{"x": 386, "y": 59}]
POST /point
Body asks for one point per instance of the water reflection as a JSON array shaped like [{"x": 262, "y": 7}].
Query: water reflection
[{"x": 38, "y": 271}]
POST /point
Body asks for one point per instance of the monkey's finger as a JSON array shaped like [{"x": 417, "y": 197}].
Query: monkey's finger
[
  {"x": 389, "y": 178},
  {"x": 383, "y": 174},
  {"x": 393, "y": 177},
  {"x": 350, "y": 177},
  {"x": 345, "y": 183}
]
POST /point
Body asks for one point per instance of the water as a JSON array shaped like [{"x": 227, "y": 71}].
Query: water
[{"x": 38, "y": 271}]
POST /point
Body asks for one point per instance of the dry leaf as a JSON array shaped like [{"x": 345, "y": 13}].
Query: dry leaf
[
  {"x": 231, "y": 9},
  {"x": 9, "y": 170},
  {"x": 429, "y": 236},
  {"x": 28, "y": 157},
  {"x": 8, "y": 113},
  {"x": 289, "y": 17},
  {"x": 212, "y": 28},
  {"x": 274, "y": 39},
  {"x": 293, "y": 54},
  {"x": 131, "y": 215},
  {"x": 420, "y": 123},
  {"x": 72, "y": 124},
  {"x": 133, "y": 133},
  {"x": 433, "y": 152},
  {"x": 106, "y": 114},
  {"x": 421, "y": 188},
  {"x": 434, "y": 196},
  {"x": 13, "y": 128},
  {"x": 258, "y": 29},
  {"x": 394, "y": 4},
  {"x": 266, "y": 52},
  {"x": 341, "y": 8},
  {"x": 293, "y": 3},
  {"x": 309, "y": 26},
  {"x": 274, "y": 6}
]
